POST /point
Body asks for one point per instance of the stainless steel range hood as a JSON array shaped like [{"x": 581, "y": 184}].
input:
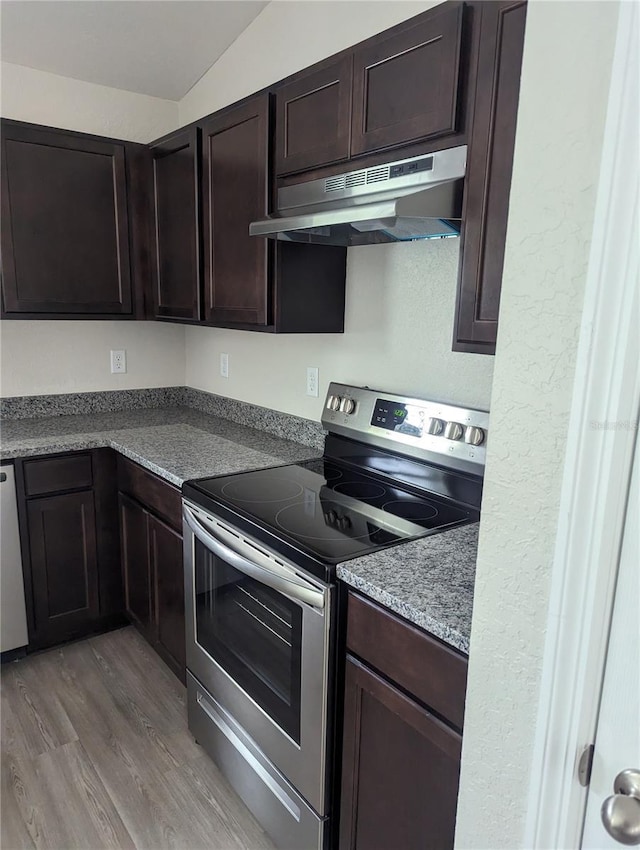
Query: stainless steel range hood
[{"x": 418, "y": 198}]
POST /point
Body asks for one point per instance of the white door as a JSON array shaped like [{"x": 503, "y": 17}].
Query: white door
[{"x": 617, "y": 742}]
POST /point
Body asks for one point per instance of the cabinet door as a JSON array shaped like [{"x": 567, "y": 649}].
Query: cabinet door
[
  {"x": 399, "y": 772},
  {"x": 235, "y": 180},
  {"x": 65, "y": 229},
  {"x": 64, "y": 566},
  {"x": 168, "y": 572},
  {"x": 488, "y": 181},
  {"x": 176, "y": 238},
  {"x": 313, "y": 118},
  {"x": 405, "y": 85},
  {"x": 136, "y": 564}
]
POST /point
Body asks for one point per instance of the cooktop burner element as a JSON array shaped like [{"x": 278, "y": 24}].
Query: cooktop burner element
[
  {"x": 410, "y": 510},
  {"x": 264, "y": 490},
  {"x": 360, "y": 489}
]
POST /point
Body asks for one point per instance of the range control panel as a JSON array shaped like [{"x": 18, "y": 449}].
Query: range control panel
[{"x": 441, "y": 433}]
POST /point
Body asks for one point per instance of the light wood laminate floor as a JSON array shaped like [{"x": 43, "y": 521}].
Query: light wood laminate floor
[{"x": 96, "y": 754}]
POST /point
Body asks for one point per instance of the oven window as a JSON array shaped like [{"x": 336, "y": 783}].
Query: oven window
[{"x": 254, "y": 633}]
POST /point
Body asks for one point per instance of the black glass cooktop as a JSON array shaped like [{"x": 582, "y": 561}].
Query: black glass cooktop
[{"x": 329, "y": 510}]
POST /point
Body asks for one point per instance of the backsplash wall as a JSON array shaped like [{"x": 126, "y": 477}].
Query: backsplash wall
[
  {"x": 400, "y": 298},
  {"x": 52, "y": 357},
  {"x": 398, "y": 329}
]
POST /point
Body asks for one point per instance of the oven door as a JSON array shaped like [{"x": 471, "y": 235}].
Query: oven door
[{"x": 258, "y": 640}]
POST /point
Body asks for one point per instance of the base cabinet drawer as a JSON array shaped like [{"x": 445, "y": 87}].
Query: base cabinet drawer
[
  {"x": 148, "y": 489},
  {"x": 55, "y": 474},
  {"x": 420, "y": 664}
]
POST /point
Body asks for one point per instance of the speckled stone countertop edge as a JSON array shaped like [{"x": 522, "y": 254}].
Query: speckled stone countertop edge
[
  {"x": 435, "y": 627},
  {"x": 80, "y": 444},
  {"x": 160, "y": 471},
  {"x": 284, "y": 425},
  {"x": 175, "y": 451}
]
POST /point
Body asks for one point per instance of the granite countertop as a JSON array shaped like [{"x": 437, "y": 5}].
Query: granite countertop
[
  {"x": 177, "y": 443},
  {"x": 427, "y": 581}
]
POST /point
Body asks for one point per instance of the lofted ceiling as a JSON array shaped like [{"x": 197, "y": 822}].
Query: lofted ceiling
[{"x": 154, "y": 47}]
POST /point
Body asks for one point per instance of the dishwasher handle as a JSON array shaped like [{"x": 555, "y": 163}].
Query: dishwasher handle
[{"x": 296, "y": 588}]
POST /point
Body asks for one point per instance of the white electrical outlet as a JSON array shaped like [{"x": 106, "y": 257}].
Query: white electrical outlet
[
  {"x": 312, "y": 381},
  {"x": 224, "y": 365},
  {"x": 118, "y": 361}
]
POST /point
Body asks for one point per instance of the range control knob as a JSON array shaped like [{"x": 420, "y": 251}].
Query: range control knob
[
  {"x": 473, "y": 435},
  {"x": 333, "y": 402},
  {"x": 453, "y": 430},
  {"x": 435, "y": 426},
  {"x": 347, "y": 405}
]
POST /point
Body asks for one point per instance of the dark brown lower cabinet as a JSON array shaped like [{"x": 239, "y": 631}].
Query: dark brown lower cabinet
[
  {"x": 400, "y": 759},
  {"x": 166, "y": 565},
  {"x": 136, "y": 564},
  {"x": 68, "y": 521},
  {"x": 400, "y": 769},
  {"x": 64, "y": 563},
  {"x": 152, "y": 563}
]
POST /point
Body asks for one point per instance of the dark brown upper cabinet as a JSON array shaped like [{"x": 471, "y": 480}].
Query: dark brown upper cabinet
[
  {"x": 488, "y": 181},
  {"x": 405, "y": 85},
  {"x": 249, "y": 282},
  {"x": 236, "y": 192},
  {"x": 65, "y": 223},
  {"x": 175, "y": 255},
  {"x": 396, "y": 88},
  {"x": 313, "y": 117}
]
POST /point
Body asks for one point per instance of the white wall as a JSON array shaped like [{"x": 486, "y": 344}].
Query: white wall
[
  {"x": 398, "y": 328},
  {"x": 563, "y": 101},
  {"x": 400, "y": 298},
  {"x": 56, "y": 357},
  {"x": 41, "y": 357}
]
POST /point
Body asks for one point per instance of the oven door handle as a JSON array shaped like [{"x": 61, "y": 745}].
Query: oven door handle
[{"x": 297, "y": 588}]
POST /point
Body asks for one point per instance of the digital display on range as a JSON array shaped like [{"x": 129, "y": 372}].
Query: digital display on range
[{"x": 403, "y": 418}]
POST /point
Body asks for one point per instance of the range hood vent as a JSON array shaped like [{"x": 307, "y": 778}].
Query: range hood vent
[{"x": 404, "y": 200}]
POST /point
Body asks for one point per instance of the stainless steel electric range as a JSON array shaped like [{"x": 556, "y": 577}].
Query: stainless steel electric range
[{"x": 260, "y": 554}]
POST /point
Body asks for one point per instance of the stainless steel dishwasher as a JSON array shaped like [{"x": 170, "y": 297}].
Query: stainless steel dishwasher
[{"x": 13, "y": 615}]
